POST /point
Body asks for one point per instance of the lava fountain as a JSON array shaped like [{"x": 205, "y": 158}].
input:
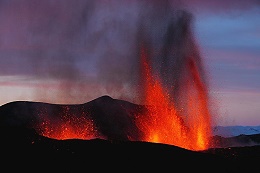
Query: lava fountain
[
  {"x": 172, "y": 81},
  {"x": 164, "y": 123}
]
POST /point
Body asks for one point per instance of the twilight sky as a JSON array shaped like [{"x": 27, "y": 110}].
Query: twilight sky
[
  {"x": 229, "y": 36},
  {"x": 55, "y": 50}
]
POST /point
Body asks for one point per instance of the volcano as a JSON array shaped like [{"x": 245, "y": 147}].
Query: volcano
[
  {"x": 149, "y": 50},
  {"x": 113, "y": 141},
  {"x": 103, "y": 117}
]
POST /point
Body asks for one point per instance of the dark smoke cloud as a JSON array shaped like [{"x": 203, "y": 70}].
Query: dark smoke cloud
[
  {"x": 168, "y": 33},
  {"x": 92, "y": 47}
]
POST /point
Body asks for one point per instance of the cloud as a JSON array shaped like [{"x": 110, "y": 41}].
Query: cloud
[
  {"x": 69, "y": 41},
  {"x": 221, "y": 6}
]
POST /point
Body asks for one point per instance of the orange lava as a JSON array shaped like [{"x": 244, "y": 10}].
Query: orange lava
[
  {"x": 69, "y": 127},
  {"x": 163, "y": 123}
]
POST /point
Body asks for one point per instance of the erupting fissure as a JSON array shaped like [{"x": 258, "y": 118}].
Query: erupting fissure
[
  {"x": 164, "y": 123},
  {"x": 172, "y": 81}
]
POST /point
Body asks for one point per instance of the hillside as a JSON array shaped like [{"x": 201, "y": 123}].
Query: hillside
[{"x": 23, "y": 148}]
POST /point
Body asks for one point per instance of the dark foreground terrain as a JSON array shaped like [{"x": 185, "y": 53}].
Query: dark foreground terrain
[{"x": 22, "y": 149}]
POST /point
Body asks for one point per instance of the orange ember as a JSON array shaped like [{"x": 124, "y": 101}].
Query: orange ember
[
  {"x": 163, "y": 123},
  {"x": 69, "y": 127}
]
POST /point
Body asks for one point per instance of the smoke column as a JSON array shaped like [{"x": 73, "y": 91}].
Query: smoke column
[
  {"x": 167, "y": 30},
  {"x": 172, "y": 79},
  {"x": 77, "y": 51}
]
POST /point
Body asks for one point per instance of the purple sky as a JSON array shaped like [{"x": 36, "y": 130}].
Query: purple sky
[
  {"x": 229, "y": 36},
  {"x": 51, "y": 51}
]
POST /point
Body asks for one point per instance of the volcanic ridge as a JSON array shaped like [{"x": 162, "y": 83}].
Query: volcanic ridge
[{"x": 113, "y": 141}]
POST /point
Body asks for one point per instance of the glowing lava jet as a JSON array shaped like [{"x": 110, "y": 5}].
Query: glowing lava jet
[{"x": 164, "y": 123}]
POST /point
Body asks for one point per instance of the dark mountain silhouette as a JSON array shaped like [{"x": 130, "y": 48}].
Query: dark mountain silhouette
[
  {"x": 113, "y": 118},
  {"x": 236, "y": 141},
  {"x": 24, "y": 149}
]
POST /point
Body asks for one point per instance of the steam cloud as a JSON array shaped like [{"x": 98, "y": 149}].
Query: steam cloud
[{"x": 92, "y": 47}]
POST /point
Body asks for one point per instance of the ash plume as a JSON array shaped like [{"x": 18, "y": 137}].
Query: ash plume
[
  {"x": 84, "y": 49},
  {"x": 167, "y": 32}
]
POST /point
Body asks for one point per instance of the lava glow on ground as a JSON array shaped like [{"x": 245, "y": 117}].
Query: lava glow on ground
[{"x": 69, "y": 127}]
